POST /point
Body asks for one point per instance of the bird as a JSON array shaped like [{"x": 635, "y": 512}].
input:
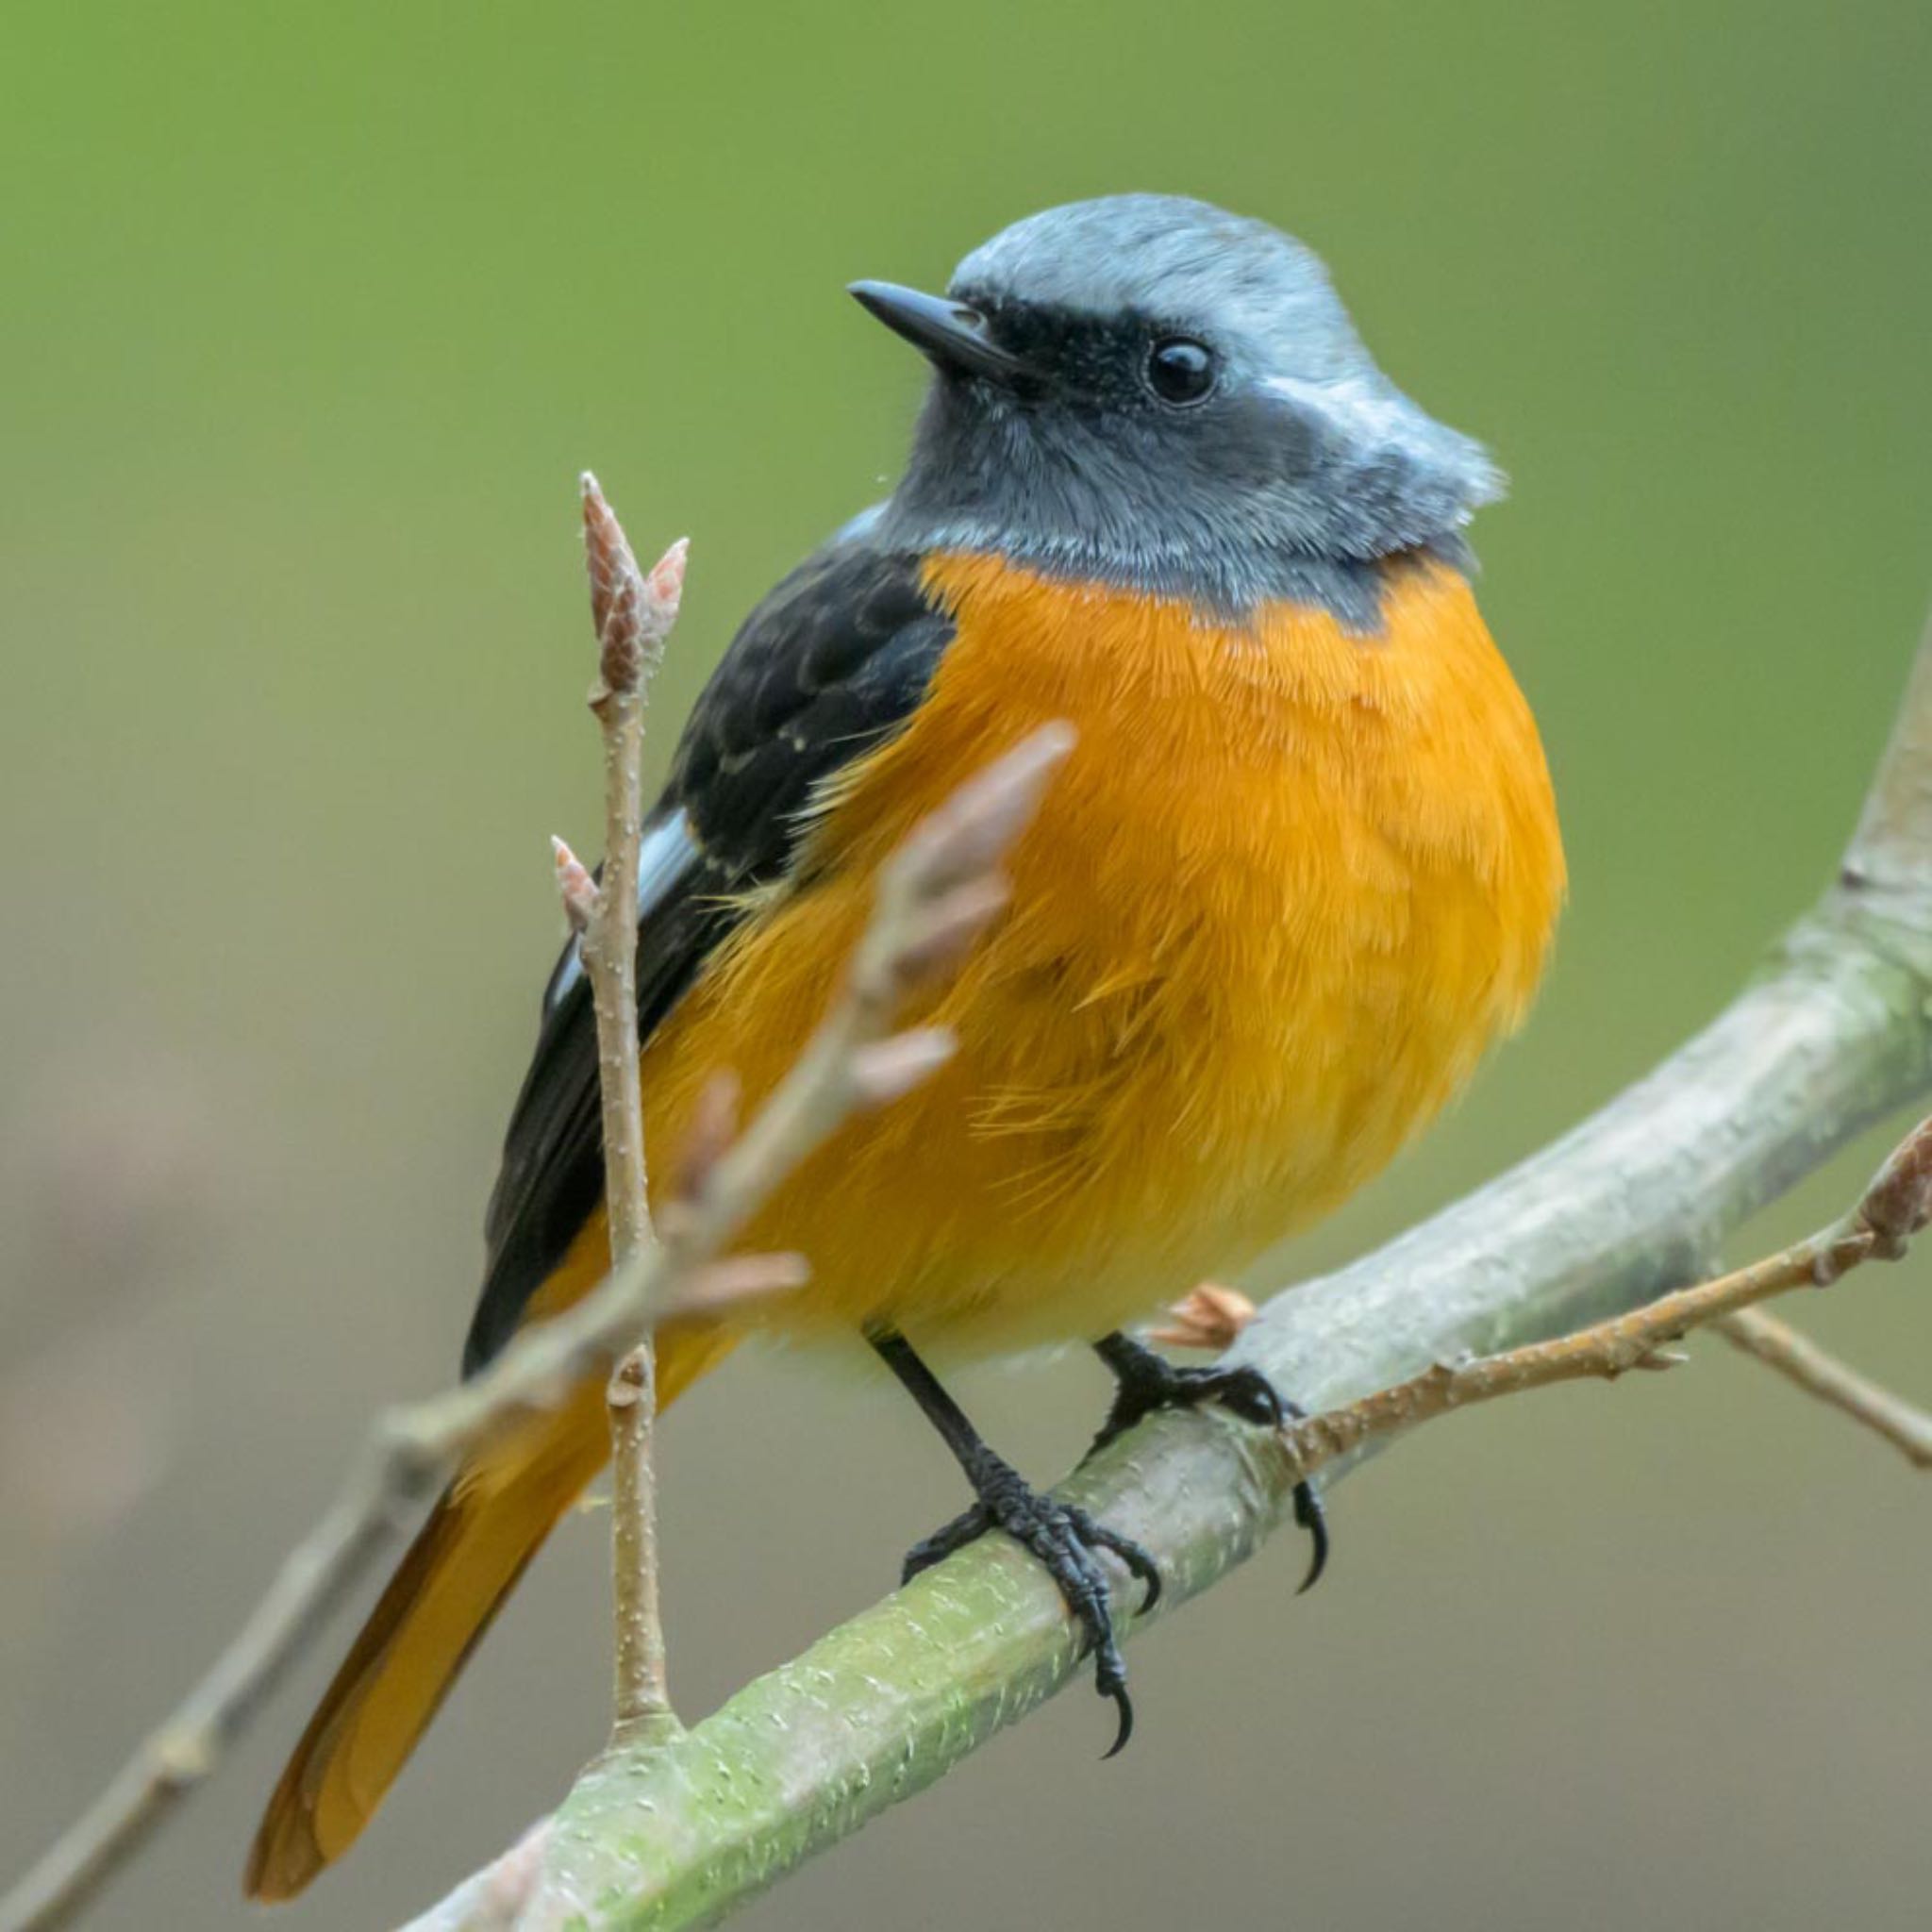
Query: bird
[{"x": 1300, "y": 869}]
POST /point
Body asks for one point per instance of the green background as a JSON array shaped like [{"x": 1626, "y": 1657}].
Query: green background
[{"x": 309, "y": 317}]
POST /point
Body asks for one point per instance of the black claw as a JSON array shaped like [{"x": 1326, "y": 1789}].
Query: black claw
[
  {"x": 1145, "y": 1381},
  {"x": 1247, "y": 1393},
  {"x": 1110, "y": 1680},
  {"x": 1061, "y": 1535},
  {"x": 1310, "y": 1513},
  {"x": 1064, "y": 1538}
]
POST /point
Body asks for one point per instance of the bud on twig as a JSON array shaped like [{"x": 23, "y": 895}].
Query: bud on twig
[
  {"x": 1208, "y": 1316},
  {"x": 574, "y": 887},
  {"x": 1898, "y": 1203},
  {"x": 633, "y": 613}
]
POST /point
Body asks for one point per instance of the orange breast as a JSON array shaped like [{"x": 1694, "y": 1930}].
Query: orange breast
[{"x": 1290, "y": 884}]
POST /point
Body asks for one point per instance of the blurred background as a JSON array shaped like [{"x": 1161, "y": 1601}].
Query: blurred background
[{"x": 311, "y": 317}]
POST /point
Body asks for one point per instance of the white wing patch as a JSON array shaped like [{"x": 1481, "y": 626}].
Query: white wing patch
[
  {"x": 663, "y": 857},
  {"x": 1370, "y": 413}
]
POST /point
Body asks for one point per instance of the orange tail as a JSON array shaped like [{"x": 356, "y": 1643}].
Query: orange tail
[{"x": 486, "y": 1526}]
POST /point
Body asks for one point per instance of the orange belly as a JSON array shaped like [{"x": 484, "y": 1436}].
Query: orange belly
[{"x": 1288, "y": 887}]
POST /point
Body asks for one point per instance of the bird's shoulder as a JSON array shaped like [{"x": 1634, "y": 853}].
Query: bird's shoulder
[
  {"x": 835, "y": 657},
  {"x": 827, "y": 666}
]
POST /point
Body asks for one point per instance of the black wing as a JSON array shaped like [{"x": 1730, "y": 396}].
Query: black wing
[{"x": 827, "y": 666}]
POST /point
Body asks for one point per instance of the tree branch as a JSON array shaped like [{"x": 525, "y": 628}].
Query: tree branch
[
  {"x": 934, "y": 896},
  {"x": 633, "y": 615},
  {"x": 1881, "y": 1227},
  {"x": 1632, "y": 1204},
  {"x": 1818, "y": 1372},
  {"x": 1894, "y": 1210}
]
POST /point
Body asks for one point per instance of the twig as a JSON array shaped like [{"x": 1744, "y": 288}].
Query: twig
[
  {"x": 1894, "y": 1208},
  {"x": 408, "y": 1451},
  {"x": 641, "y": 1695},
  {"x": 1818, "y": 1372},
  {"x": 633, "y": 615},
  {"x": 1834, "y": 1035},
  {"x": 1214, "y": 1317},
  {"x": 934, "y": 896}
]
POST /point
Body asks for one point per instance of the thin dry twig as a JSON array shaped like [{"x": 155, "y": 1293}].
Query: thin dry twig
[
  {"x": 408, "y": 1451},
  {"x": 1818, "y": 1372},
  {"x": 1894, "y": 1208},
  {"x": 934, "y": 896},
  {"x": 641, "y": 1693},
  {"x": 634, "y": 615},
  {"x": 1211, "y": 1317}
]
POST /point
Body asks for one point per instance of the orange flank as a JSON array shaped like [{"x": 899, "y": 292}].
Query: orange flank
[{"x": 1290, "y": 883}]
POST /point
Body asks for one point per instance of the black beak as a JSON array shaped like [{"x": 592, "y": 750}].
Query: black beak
[{"x": 954, "y": 336}]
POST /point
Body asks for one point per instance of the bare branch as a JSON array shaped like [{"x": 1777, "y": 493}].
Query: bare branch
[
  {"x": 641, "y": 1695},
  {"x": 1880, "y": 1228},
  {"x": 1818, "y": 1372},
  {"x": 410, "y": 1449},
  {"x": 634, "y": 616}
]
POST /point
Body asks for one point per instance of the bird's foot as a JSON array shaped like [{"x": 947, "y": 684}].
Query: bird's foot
[
  {"x": 1145, "y": 1381},
  {"x": 1066, "y": 1539}
]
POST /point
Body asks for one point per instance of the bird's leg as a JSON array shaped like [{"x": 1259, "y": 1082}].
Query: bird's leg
[
  {"x": 1062, "y": 1535},
  {"x": 1144, "y": 1381}
]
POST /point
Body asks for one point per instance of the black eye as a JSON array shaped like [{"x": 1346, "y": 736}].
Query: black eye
[{"x": 1180, "y": 370}]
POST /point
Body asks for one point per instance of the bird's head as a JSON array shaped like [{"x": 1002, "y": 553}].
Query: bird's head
[{"x": 1153, "y": 391}]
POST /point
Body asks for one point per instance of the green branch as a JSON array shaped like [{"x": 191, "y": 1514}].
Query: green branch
[{"x": 1831, "y": 1037}]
